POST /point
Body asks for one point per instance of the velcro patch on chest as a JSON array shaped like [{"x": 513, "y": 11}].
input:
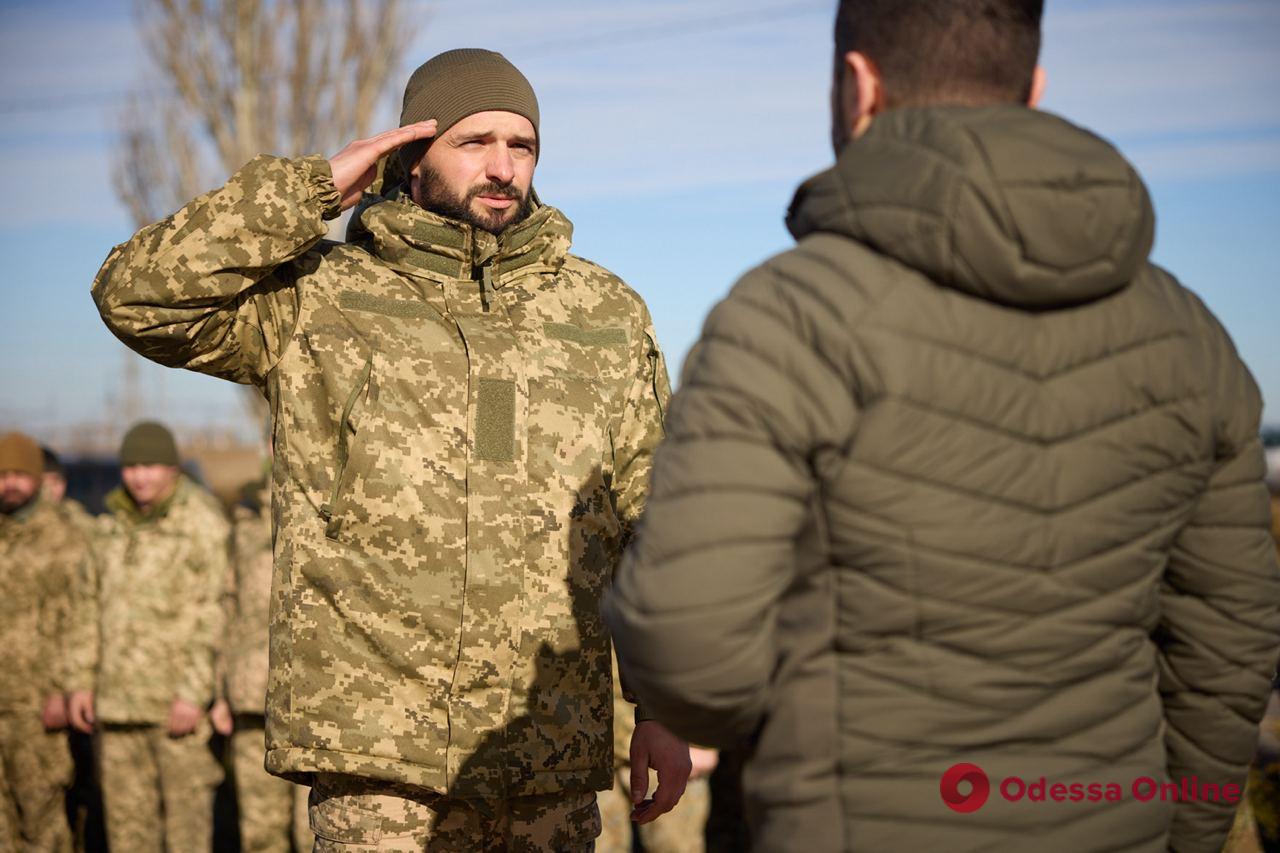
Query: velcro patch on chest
[
  {"x": 402, "y": 308},
  {"x": 496, "y": 420},
  {"x": 605, "y": 336}
]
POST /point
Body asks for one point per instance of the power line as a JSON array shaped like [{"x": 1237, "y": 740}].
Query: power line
[
  {"x": 609, "y": 39},
  {"x": 687, "y": 27}
]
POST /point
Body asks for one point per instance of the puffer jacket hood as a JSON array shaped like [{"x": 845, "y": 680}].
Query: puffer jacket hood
[{"x": 960, "y": 195}]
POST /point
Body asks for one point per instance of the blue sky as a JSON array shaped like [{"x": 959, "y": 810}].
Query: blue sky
[{"x": 673, "y": 135}]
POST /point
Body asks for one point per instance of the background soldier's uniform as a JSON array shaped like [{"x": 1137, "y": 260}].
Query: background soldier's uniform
[
  {"x": 681, "y": 830},
  {"x": 84, "y": 799},
  {"x": 40, "y": 554},
  {"x": 74, "y": 511},
  {"x": 147, "y": 620},
  {"x": 272, "y": 810},
  {"x": 463, "y": 427}
]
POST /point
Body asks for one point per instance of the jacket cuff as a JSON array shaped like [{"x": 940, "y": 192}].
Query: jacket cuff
[
  {"x": 642, "y": 714},
  {"x": 322, "y": 191}
]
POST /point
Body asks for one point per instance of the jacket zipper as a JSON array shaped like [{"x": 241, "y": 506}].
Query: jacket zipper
[
  {"x": 486, "y": 286},
  {"x": 326, "y": 511},
  {"x": 652, "y": 355}
]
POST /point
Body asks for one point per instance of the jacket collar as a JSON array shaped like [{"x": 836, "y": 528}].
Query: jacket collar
[
  {"x": 122, "y": 505},
  {"x": 419, "y": 242},
  {"x": 24, "y": 513}
]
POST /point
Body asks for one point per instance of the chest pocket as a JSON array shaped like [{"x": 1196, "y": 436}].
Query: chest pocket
[
  {"x": 350, "y": 442},
  {"x": 399, "y": 456}
]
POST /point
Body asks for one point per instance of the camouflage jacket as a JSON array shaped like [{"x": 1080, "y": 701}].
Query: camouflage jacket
[
  {"x": 40, "y": 555},
  {"x": 147, "y": 614},
  {"x": 247, "y": 601},
  {"x": 75, "y": 512},
  {"x": 463, "y": 429}
]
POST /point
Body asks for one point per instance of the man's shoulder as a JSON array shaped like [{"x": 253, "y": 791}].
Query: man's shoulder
[
  {"x": 616, "y": 295},
  {"x": 333, "y": 253},
  {"x": 53, "y": 526},
  {"x": 201, "y": 510},
  {"x": 824, "y": 277}
]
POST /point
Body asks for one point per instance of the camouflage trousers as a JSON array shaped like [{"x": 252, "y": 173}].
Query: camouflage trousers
[
  {"x": 678, "y": 831},
  {"x": 157, "y": 791},
  {"x": 273, "y": 811},
  {"x": 35, "y": 771},
  {"x": 350, "y": 814}
]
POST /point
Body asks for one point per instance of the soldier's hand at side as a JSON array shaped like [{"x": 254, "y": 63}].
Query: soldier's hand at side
[
  {"x": 220, "y": 716},
  {"x": 54, "y": 713},
  {"x": 80, "y": 711},
  {"x": 704, "y": 761},
  {"x": 355, "y": 166},
  {"x": 183, "y": 718},
  {"x": 653, "y": 746}
]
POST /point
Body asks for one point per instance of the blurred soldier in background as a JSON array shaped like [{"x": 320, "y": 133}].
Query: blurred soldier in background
[
  {"x": 273, "y": 811},
  {"x": 84, "y": 802},
  {"x": 147, "y": 620},
  {"x": 682, "y": 829},
  {"x": 40, "y": 554},
  {"x": 55, "y": 492}
]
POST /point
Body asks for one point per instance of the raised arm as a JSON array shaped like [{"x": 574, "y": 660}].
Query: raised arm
[{"x": 211, "y": 288}]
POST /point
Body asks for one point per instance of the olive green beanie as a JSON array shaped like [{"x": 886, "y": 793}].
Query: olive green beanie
[
  {"x": 20, "y": 452},
  {"x": 459, "y": 83},
  {"x": 148, "y": 443}
]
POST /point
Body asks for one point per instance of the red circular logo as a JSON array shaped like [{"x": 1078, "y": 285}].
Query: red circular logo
[{"x": 979, "y": 788}]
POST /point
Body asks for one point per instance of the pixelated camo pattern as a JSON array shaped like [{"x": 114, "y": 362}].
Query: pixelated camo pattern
[
  {"x": 147, "y": 615},
  {"x": 463, "y": 429},
  {"x": 247, "y": 604},
  {"x": 40, "y": 556}
]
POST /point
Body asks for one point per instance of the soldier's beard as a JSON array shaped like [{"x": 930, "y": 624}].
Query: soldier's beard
[
  {"x": 12, "y": 500},
  {"x": 435, "y": 197}
]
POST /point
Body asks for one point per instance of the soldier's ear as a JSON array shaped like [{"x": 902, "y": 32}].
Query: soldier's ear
[{"x": 1038, "y": 81}]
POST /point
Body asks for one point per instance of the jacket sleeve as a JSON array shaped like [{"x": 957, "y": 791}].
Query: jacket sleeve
[
  {"x": 80, "y": 641},
  {"x": 228, "y": 606},
  {"x": 203, "y": 616},
  {"x": 1219, "y": 630},
  {"x": 210, "y": 288},
  {"x": 640, "y": 430},
  {"x": 60, "y": 613},
  {"x": 694, "y": 608}
]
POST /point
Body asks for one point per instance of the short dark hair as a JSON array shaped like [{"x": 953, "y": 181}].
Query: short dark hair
[
  {"x": 52, "y": 464},
  {"x": 945, "y": 51}
]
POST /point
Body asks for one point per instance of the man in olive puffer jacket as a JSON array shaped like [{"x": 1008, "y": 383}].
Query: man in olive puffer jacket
[{"x": 962, "y": 478}]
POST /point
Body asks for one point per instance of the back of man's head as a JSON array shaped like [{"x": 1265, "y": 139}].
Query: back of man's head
[{"x": 969, "y": 52}]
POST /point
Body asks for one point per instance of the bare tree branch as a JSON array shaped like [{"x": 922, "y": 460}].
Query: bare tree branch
[{"x": 243, "y": 77}]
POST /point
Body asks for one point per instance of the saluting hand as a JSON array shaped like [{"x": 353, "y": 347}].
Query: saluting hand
[{"x": 355, "y": 166}]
